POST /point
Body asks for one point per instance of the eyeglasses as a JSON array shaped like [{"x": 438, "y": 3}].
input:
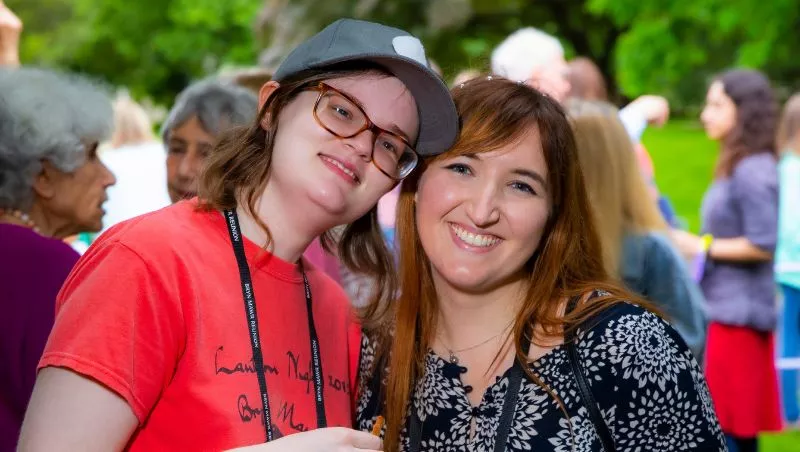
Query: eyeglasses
[{"x": 340, "y": 115}]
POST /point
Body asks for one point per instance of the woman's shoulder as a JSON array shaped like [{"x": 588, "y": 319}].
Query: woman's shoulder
[
  {"x": 164, "y": 229},
  {"x": 649, "y": 243},
  {"x": 661, "y": 253},
  {"x": 622, "y": 329},
  {"x": 22, "y": 245},
  {"x": 762, "y": 164},
  {"x": 642, "y": 374},
  {"x": 330, "y": 292},
  {"x": 619, "y": 320},
  {"x": 629, "y": 336}
]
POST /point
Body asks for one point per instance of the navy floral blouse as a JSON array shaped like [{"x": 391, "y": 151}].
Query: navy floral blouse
[{"x": 648, "y": 386}]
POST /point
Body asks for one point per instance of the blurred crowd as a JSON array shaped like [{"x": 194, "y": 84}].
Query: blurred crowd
[{"x": 76, "y": 162}]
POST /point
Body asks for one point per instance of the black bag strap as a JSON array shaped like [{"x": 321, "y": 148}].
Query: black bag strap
[
  {"x": 510, "y": 400},
  {"x": 583, "y": 386}
]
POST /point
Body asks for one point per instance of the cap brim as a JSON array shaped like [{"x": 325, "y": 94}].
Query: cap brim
[{"x": 438, "y": 118}]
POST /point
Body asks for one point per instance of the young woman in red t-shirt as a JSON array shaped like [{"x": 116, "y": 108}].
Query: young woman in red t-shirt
[{"x": 159, "y": 342}]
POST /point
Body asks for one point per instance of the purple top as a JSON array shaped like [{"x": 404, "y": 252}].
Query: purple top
[
  {"x": 32, "y": 270},
  {"x": 746, "y": 204}
]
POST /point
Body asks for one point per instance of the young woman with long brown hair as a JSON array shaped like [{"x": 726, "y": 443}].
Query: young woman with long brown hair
[
  {"x": 740, "y": 225},
  {"x": 159, "y": 343},
  {"x": 507, "y": 333}
]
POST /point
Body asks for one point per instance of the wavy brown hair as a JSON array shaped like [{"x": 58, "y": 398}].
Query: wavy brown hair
[
  {"x": 239, "y": 167},
  {"x": 756, "y": 118},
  {"x": 567, "y": 263}
]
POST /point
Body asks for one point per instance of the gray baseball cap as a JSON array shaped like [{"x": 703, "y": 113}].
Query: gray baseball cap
[{"x": 399, "y": 53}]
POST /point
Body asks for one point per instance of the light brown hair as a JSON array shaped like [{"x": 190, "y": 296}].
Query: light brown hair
[
  {"x": 567, "y": 263},
  {"x": 239, "y": 167},
  {"x": 788, "y": 139},
  {"x": 586, "y": 80},
  {"x": 620, "y": 198}
]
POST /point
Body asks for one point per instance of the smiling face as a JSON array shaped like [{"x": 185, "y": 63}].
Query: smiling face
[
  {"x": 334, "y": 176},
  {"x": 481, "y": 217}
]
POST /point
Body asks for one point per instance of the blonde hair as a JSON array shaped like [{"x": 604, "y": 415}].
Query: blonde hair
[
  {"x": 788, "y": 139},
  {"x": 620, "y": 198},
  {"x": 131, "y": 123}
]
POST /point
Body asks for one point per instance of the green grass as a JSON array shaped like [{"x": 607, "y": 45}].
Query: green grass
[
  {"x": 788, "y": 441},
  {"x": 684, "y": 162}
]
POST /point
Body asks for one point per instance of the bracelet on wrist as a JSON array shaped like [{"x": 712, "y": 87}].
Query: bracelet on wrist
[{"x": 706, "y": 246}]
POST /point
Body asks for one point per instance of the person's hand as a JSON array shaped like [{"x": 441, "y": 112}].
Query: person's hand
[
  {"x": 688, "y": 244},
  {"x": 654, "y": 108},
  {"x": 332, "y": 439},
  {"x": 10, "y": 30}
]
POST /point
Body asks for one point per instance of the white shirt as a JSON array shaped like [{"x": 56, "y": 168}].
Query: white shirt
[
  {"x": 141, "y": 172},
  {"x": 634, "y": 121}
]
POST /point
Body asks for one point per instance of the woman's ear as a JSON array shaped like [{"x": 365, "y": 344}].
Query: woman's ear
[
  {"x": 266, "y": 91},
  {"x": 45, "y": 183}
]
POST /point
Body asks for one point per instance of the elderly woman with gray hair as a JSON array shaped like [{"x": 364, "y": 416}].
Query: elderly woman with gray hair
[
  {"x": 201, "y": 113},
  {"x": 52, "y": 186},
  {"x": 145, "y": 183}
]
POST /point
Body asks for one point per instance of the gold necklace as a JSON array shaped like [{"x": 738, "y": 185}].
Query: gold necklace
[
  {"x": 23, "y": 217},
  {"x": 452, "y": 353}
]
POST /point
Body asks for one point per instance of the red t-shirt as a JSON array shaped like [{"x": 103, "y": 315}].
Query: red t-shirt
[{"x": 154, "y": 311}]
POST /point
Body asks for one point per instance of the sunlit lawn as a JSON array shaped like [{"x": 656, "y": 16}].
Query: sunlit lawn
[
  {"x": 783, "y": 442},
  {"x": 684, "y": 162}
]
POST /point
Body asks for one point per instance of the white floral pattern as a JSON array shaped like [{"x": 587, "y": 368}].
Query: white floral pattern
[
  {"x": 650, "y": 391},
  {"x": 582, "y": 435},
  {"x": 436, "y": 391},
  {"x": 643, "y": 350}
]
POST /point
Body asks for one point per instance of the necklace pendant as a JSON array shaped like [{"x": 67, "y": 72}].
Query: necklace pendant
[{"x": 453, "y": 358}]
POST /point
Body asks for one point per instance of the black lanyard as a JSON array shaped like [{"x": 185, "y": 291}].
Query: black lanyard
[
  {"x": 506, "y": 416},
  {"x": 232, "y": 219}
]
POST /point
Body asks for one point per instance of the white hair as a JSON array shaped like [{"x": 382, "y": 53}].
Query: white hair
[
  {"x": 46, "y": 115},
  {"x": 218, "y": 106},
  {"x": 523, "y": 52}
]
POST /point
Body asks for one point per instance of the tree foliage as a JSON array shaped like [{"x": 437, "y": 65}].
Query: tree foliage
[
  {"x": 152, "y": 47},
  {"x": 155, "y": 47},
  {"x": 675, "y": 47}
]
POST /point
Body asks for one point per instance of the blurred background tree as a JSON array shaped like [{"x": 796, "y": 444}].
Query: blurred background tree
[
  {"x": 152, "y": 47},
  {"x": 155, "y": 47}
]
